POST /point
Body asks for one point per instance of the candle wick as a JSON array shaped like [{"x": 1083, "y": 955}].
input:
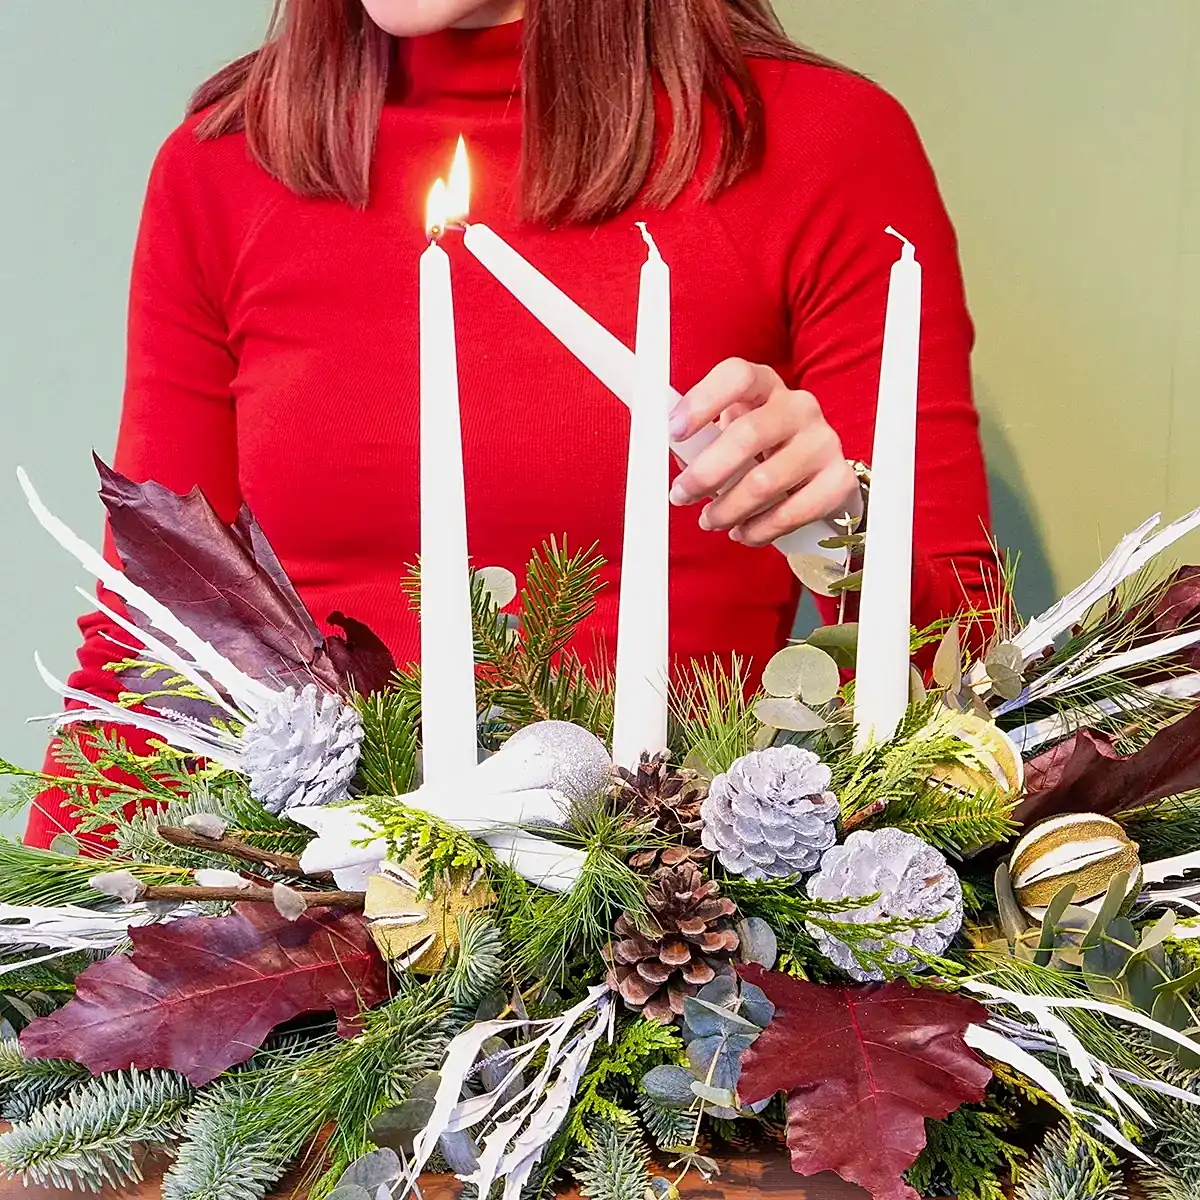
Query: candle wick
[
  {"x": 897, "y": 234},
  {"x": 649, "y": 240}
]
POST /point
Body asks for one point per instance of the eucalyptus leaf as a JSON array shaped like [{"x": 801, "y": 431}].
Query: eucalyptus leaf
[
  {"x": 65, "y": 845},
  {"x": 1114, "y": 901},
  {"x": 755, "y": 1006},
  {"x": 373, "y": 1169},
  {"x": 707, "y": 1020},
  {"x": 722, "y": 991},
  {"x": 460, "y": 1152},
  {"x": 947, "y": 662},
  {"x": 1007, "y": 684},
  {"x": 816, "y": 572},
  {"x": 788, "y": 714},
  {"x": 1108, "y": 958},
  {"x": 396, "y": 1128},
  {"x": 764, "y": 739},
  {"x": 669, "y": 1085},
  {"x": 713, "y": 1095},
  {"x": 1158, "y": 932},
  {"x": 1012, "y": 917},
  {"x": 847, "y": 583},
  {"x": 718, "y": 1059},
  {"x": 1008, "y": 656},
  {"x": 916, "y": 687},
  {"x": 1054, "y": 910},
  {"x": 1141, "y": 979},
  {"x": 757, "y": 942},
  {"x": 500, "y": 584},
  {"x": 840, "y": 642},
  {"x": 802, "y": 671}
]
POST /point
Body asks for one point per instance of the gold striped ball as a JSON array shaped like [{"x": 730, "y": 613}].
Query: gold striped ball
[{"x": 1083, "y": 849}]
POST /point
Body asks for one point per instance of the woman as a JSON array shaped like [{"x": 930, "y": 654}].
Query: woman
[{"x": 273, "y": 329}]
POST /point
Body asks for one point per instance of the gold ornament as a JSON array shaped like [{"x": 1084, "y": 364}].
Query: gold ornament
[
  {"x": 1083, "y": 849},
  {"x": 415, "y": 932},
  {"x": 996, "y": 761}
]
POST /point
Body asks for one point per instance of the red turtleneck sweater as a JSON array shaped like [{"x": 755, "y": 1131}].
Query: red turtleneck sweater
[{"x": 273, "y": 354}]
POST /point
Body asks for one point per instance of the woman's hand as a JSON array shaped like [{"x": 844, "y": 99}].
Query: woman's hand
[{"x": 776, "y": 465}]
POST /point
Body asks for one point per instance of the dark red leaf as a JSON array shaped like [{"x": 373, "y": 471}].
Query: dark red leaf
[
  {"x": 360, "y": 657},
  {"x": 223, "y": 582},
  {"x": 1177, "y": 609},
  {"x": 1085, "y": 773},
  {"x": 200, "y": 995},
  {"x": 862, "y": 1068}
]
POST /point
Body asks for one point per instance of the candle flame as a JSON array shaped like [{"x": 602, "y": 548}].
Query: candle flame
[{"x": 450, "y": 202}]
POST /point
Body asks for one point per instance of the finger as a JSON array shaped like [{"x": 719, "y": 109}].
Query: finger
[
  {"x": 829, "y": 493},
  {"x": 792, "y": 465},
  {"x": 728, "y": 382},
  {"x": 736, "y": 449}
]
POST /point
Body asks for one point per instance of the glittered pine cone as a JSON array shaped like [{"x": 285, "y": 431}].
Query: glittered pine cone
[
  {"x": 771, "y": 814},
  {"x": 302, "y": 749},
  {"x": 664, "y": 794},
  {"x": 910, "y": 882},
  {"x": 688, "y": 941}
]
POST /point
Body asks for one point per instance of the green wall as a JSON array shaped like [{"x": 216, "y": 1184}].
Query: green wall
[
  {"x": 1064, "y": 131},
  {"x": 88, "y": 90},
  {"x": 1066, "y": 134}
]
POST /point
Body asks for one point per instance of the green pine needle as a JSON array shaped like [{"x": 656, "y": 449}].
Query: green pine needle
[
  {"x": 616, "y": 1165},
  {"x": 391, "y": 724},
  {"x": 1070, "y": 1166},
  {"x": 27, "y": 1084},
  {"x": 97, "y": 1134},
  {"x": 44, "y": 877},
  {"x": 714, "y": 716}
]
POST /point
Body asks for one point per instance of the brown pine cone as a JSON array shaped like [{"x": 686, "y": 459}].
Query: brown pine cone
[
  {"x": 666, "y": 795},
  {"x": 646, "y": 862},
  {"x": 690, "y": 938}
]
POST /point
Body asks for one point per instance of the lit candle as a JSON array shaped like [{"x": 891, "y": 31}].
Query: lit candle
[
  {"x": 447, "y": 642},
  {"x": 640, "y": 718},
  {"x": 882, "y": 674},
  {"x": 608, "y": 358}
]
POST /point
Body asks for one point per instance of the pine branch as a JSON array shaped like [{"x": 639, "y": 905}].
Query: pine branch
[
  {"x": 95, "y": 1135},
  {"x": 28, "y": 1084},
  {"x": 559, "y": 595},
  {"x": 391, "y": 721},
  {"x": 226, "y": 1154},
  {"x": 1069, "y": 1166},
  {"x": 479, "y": 964},
  {"x": 714, "y": 716},
  {"x": 612, "y": 1078},
  {"x": 46, "y": 878},
  {"x": 616, "y": 1165},
  {"x": 952, "y": 821},
  {"x": 670, "y": 1128}
]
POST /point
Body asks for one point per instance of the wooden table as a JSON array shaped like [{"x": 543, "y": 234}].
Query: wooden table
[{"x": 741, "y": 1179}]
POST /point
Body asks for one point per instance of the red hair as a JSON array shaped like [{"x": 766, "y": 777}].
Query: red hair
[{"x": 310, "y": 99}]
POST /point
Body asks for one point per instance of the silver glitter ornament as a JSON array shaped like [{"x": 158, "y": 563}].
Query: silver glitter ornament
[
  {"x": 771, "y": 814},
  {"x": 580, "y": 765},
  {"x": 911, "y": 880},
  {"x": 302, "y": 749}
]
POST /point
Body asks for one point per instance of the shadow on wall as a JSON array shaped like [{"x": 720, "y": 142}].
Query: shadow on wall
[{"x": 1016, "y": 526}]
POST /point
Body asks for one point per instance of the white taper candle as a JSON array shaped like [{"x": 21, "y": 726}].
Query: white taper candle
[
  {"x": 607, "y": 357},
  {"x": 447, "y": 642},
  {"x": 882, "y": 672},
  {"x": 640, "y": 716}
]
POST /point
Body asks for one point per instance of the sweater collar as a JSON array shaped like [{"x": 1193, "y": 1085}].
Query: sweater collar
[{"x": 459, "y": 65}]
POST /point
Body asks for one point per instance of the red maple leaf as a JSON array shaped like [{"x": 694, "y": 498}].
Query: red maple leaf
[
  {"x": 200, "y": 995},
  {"x": 863, "y": 1067}
]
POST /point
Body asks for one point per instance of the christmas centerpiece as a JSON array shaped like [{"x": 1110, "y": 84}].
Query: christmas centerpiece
[{"x": 499, "y": 915}]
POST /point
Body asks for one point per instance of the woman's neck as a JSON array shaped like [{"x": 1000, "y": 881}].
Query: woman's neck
[{"x": 498, "y": 12}]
